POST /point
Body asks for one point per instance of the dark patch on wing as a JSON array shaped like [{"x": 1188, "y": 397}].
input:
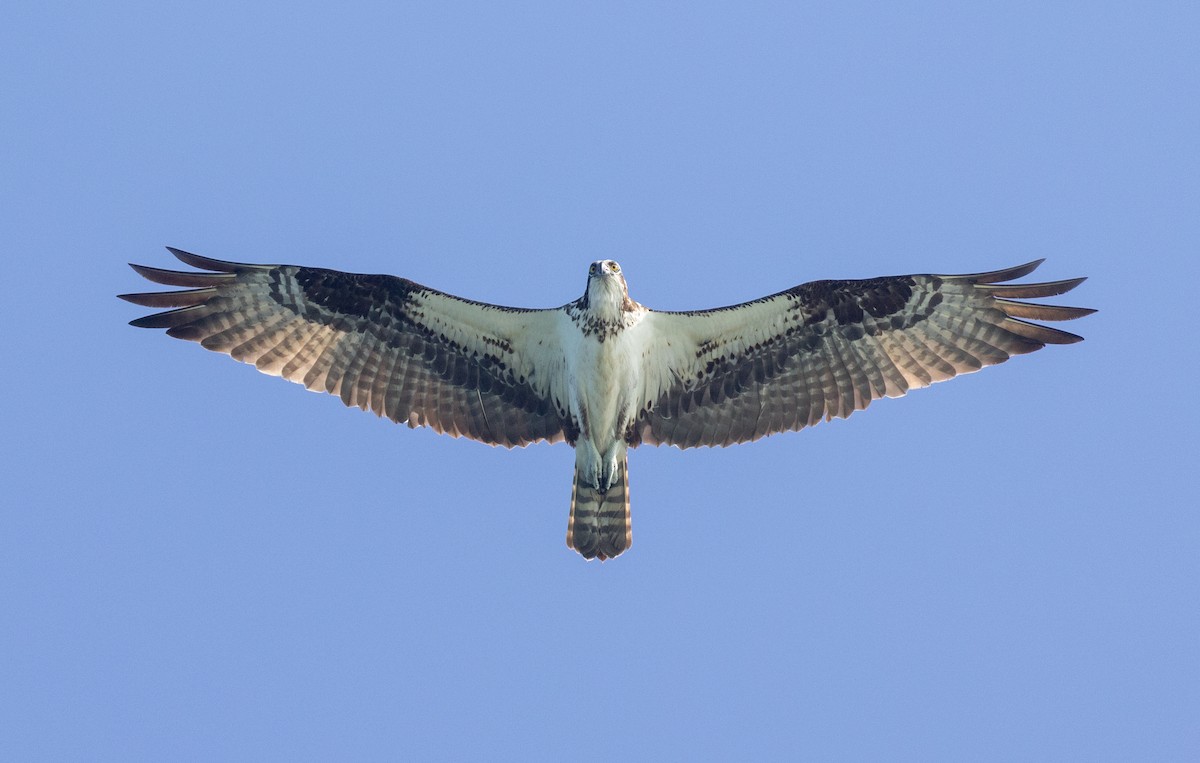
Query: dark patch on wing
[
  {"x": 848, "y": 301},
  {"x": 351, "y": 293}
]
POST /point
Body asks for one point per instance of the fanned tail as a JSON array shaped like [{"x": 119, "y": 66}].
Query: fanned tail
[{"x": 599, "y": 527}]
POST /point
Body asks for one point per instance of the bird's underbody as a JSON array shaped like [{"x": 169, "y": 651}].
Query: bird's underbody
[{"x": 604, "y": 373}]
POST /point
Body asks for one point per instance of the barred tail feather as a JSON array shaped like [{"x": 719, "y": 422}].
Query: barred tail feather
[{"x": 599, "y": 527}]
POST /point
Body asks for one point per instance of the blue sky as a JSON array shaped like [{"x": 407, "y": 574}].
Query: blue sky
[{"x": 199, "y": 562}]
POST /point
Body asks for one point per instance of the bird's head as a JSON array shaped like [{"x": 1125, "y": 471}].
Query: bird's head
[
  {"x": 606, "y": 286},
  {"x": 604, "y": 269}
]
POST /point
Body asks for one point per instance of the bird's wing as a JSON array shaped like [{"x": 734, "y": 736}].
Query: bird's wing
[
  {"x": 381, "y": 343},
  {"x": 829, "y": 348}
]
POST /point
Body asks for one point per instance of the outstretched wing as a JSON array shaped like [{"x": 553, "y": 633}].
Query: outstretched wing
[
  {"x": 381, "y": 343},
  {"x": 829, "y": 348}
]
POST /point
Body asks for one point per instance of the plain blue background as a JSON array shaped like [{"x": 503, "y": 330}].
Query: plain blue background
[{"x": 199, "y": 562}]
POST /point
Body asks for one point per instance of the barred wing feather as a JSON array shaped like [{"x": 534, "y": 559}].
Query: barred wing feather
[
  {"x": 381, "y": 343},
  {"x": 829, "y": 348}
]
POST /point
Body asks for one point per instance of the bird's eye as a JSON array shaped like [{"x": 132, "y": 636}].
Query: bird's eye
[{"x": 615, "y": 267}]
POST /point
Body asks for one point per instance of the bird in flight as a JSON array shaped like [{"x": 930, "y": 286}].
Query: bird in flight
[{"x": 604, "y": 373}]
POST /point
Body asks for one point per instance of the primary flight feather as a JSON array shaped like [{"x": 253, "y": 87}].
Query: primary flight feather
[{"x": 603, "y": 372}]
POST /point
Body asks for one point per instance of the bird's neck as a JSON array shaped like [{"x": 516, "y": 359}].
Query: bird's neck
[{"x": 607, "y": 298}]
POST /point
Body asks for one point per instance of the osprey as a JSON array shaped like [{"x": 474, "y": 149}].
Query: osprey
[{"x": 604, "y": 373}]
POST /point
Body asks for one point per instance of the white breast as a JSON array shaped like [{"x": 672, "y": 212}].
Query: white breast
[{"x": 604, "y": 381}]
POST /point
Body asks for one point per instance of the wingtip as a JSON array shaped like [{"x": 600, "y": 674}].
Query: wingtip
[
  {"x": 1070, "y": 283},
  {"x": 1005, "y": 274},
  {"x": 1028, "y": 267},
  {"x": 208, "y": 263},
  {"x": 1065, "y": 337},
  {"x": 180, "y": 254},
  {"x": 1036, "y": 332},
  {"x": 1021, "y": 290}
]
